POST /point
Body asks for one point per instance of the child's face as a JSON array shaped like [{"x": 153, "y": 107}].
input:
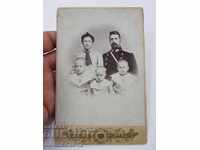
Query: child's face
[
  {"x": 100, "y": 76},
  {"x": 122, "y": 68},
  {"x": 79, "y": 66}
]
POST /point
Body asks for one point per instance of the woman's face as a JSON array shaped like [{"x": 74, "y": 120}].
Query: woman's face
[{"x": 87, "y": 43}]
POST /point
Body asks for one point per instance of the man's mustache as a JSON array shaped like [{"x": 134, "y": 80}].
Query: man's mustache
[{"x": 114, "y": 45}]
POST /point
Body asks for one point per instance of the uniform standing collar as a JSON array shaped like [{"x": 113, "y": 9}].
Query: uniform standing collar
[{"x": 116, "y": 50}]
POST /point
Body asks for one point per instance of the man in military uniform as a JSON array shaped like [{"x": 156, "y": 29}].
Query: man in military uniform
[{"x": 112, "y": 57}]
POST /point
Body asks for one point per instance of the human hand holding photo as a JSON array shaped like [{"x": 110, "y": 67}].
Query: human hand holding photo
[{"x": 49, "y": 82}]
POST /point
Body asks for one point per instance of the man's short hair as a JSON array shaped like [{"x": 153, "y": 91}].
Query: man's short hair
[
  {"x": 87, "y": 35},
  {"x": 115, "y": 32}
]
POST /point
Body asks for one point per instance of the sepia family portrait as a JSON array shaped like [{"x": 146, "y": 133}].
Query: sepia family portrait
[{"x": 94, "y": 73}]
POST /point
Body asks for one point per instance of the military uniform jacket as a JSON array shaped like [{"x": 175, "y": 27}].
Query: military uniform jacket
[{"x": 111, "y": 65}]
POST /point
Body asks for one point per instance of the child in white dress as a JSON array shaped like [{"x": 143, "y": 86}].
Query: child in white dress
[
  {"x": 81, "y": 77},
  {"x": 101, "y": 86},
  {"x": 122, "y": 80}
]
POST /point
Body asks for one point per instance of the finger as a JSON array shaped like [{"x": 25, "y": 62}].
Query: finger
[
  {"x": 48, "y": 86},
  {"x": 45, "y": 115},
  {"x": 51, "y": 59},
  {"x": 49, "y": 41}
]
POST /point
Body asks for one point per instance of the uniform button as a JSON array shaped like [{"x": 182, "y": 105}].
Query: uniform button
[
  {"x": 122, "y": 53},
  {"x": 121, "y": 58}
]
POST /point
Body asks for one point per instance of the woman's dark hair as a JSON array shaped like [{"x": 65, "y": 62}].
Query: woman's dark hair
[{"x": 87, "y": 35}]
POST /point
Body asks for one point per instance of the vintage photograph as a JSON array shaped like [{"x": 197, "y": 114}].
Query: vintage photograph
[{"x": 100, "y": 76}]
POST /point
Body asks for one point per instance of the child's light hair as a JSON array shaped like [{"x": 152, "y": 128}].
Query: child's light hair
[
  {"x": 121, "y": 61},
  {"x": 79, "y": 58},
  {"x": 74, "y": 63},
  {"x": 100, "y": 69}
]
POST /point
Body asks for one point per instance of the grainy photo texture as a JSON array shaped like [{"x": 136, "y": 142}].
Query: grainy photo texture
[{"x": 100, "y": 76}]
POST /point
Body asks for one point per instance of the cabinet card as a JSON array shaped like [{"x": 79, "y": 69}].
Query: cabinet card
[{"x": 100, "y": 76}]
